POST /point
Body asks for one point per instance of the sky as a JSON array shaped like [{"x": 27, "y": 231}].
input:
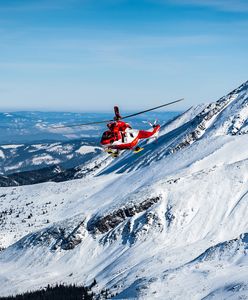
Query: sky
[{"x": 88, "y": 55}]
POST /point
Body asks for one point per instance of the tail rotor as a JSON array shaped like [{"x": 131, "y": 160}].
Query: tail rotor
[{"x": 154, "y": 124}]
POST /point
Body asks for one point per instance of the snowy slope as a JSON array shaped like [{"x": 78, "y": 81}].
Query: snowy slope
[{"x": 169, "y": 223}]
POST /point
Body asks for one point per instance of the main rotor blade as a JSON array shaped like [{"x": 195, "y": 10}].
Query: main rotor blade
[
  {"x": 144, "y": 111},
  {"x": 107, "y": 121},
  {"x": 83, "y": 124}
]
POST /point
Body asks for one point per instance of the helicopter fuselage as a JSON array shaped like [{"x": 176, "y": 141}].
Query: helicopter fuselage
[{"x": 127, "y": 139}]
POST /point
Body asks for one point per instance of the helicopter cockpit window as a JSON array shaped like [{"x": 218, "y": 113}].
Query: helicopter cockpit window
[{"x": 107, "y": 135}]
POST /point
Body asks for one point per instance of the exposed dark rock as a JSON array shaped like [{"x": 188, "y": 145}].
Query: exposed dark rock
[
  {"x": 105, "y": 223},
  {"x": 169, "y": 215},
  {"x": 65, "y": 236},
  {"x": 73, "y": 239},
  {"x": 201, "y": 121}
]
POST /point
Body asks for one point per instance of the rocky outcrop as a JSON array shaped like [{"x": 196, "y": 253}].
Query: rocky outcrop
[
  {"x": 227, "y": 249},
  {"x": 202, "y": 120},
  {"x": 65, "y": 236},
  {"x": 102, "y": 224}
]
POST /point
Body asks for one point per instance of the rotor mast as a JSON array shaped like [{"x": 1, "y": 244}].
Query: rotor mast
[{"x": 117, "y": 113}]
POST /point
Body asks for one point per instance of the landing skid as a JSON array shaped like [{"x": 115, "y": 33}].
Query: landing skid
[
  {"x": 138, "y": 149},
  {"x": 112, "y": 152},
  {"x": 115, "y": 153}
]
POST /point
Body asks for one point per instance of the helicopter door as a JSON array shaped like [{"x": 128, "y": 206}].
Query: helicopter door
[
  {"x": 127, "y": 136},
  {"x": 130, "y": 136},
  {"x": 123, "y": 137}
]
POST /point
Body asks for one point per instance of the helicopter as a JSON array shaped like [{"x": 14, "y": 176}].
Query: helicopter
[{"x": 120, "y": 135}]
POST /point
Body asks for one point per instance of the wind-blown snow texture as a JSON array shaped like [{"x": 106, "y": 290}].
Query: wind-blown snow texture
[{"x": 168, "y": 223}]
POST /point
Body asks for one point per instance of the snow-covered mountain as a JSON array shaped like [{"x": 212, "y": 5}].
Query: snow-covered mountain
[
  {"x": 31, "y": 127},
  {"x": 168, "y": 223},
  {"x": 27, "y": 157}
]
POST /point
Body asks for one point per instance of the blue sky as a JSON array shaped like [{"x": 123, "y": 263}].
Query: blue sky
[{"x": 87, "y": 55}]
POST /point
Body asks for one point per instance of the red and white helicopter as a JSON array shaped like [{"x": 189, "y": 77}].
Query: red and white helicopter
[{"x": 121, "y": 136}]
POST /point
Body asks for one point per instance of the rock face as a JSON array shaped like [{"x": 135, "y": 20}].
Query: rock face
[
  {"x": 203, "y": 119},
  {"x": 65, "y": 235},
  {"x": 106, "y": 223}
]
